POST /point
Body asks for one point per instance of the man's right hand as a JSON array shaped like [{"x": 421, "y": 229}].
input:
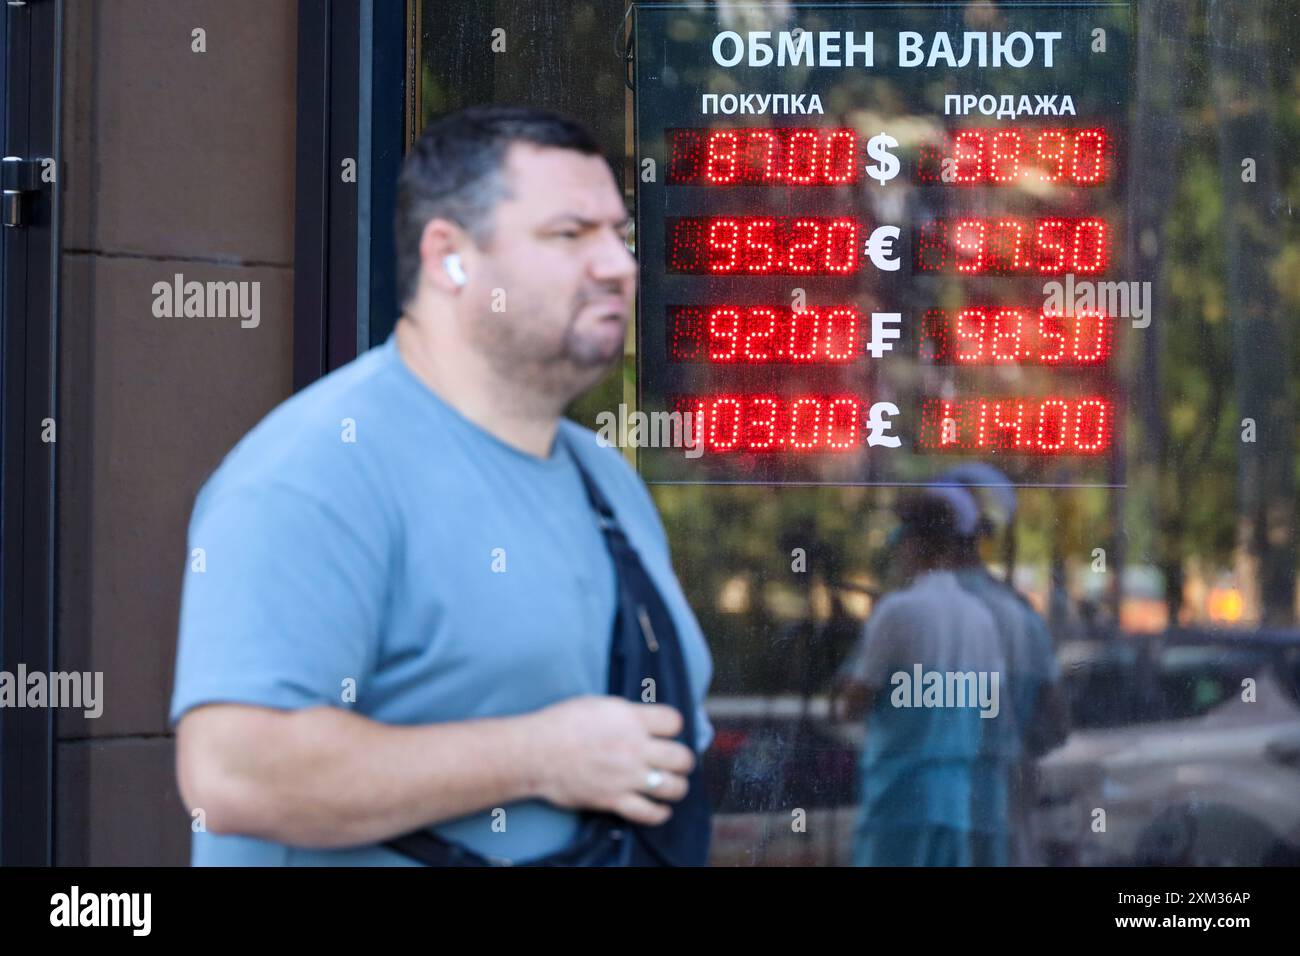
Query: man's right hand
[{"x": 597, "y": 753}]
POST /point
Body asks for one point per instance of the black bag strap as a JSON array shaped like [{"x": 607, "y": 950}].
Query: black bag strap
[
  {"x": 646, "y": 643},
  {"x": 684, "y": 839}
]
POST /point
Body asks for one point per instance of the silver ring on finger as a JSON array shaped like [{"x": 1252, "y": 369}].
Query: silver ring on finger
[{"x": 654, "y": 779}]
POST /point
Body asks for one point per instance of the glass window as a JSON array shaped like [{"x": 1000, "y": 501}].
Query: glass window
[{"x": 1164, "y": 571}]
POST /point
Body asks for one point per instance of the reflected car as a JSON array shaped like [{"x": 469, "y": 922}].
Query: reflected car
[{"x": 1185, "y": 752}]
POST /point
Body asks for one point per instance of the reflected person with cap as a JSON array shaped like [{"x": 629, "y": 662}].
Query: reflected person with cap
[{"x": 919, "y": 760}]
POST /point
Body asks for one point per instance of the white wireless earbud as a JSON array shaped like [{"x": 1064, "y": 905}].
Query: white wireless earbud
[{"x": 454, "y": 269}]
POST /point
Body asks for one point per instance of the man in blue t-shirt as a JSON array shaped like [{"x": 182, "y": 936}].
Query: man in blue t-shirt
[{"x": 398, "y": 608}]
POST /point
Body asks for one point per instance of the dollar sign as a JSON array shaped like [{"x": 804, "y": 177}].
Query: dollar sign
[{"x": 878, "y": 149}]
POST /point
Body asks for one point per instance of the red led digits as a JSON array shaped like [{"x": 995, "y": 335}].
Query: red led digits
[
  {"x": 724, "y": 333},
  {"x": 1024, "y": 426},
  {"x": 760, "y": 331},
  {"x": 723, "y": 245},
  {"x": 1092, "y": 425},
  {"x": 760, "y": 335},
  {"x": 721, "y": 419},
  {"x": 770, "y": 368},
  {"x": 1006, "y": 245},
  {"x": 968, "y": 243},
  {"x": 736, "y": 422},
  {"x": 1006, "y": 156},
  {"x": 722, "y": 164},
  {"x": 841, "y": 245},
  {"x": 1090, "y": 336},
  {"x": 760, "y": 242},
  {"x": 763, "y": 411},
  {"x": 805, "y": 423},
  {"x": 1006, "y": 338},
  {"x": 841, "y": 423},
  {"x": 1090, "y": 150},
  {"x": 981, "y": 335},
  {"x": 1051, "y": 148},
  {"x": 841, "y": 163},
  {"x": 786, "y": 156},
  {"x": 760, "y": 153},
  {"x": 1089, "y": 248},
  {"x": 803, "y": 343},
  {"x": 1013, "y": 246},
  {"x": 839, "y": 340},
  {"x": 968, "y": 157},
  {"x": 802, "y": 163},
  {"x": 750, "y": 245},
  {"x": 1050, "y": 242}
]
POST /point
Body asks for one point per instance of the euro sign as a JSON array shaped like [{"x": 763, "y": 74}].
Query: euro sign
[
  {"x": 880, "y": 248},
  {"x": 886, "y": 167},
  {"x": 878, "y": 424}
]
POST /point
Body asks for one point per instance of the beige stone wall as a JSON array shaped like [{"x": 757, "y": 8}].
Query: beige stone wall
[{"x": 175, "y": 162}]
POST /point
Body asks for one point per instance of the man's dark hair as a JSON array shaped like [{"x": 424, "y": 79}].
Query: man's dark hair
[{"x": 453, "y": 171}]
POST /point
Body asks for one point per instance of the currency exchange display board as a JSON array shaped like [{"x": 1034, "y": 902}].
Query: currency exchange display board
[{"x": 871, "y": 239}]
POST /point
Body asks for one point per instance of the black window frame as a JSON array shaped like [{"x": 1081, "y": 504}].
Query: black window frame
[
  {"x": 354, "y": 64},
  {"x": 30, "y": 97}
]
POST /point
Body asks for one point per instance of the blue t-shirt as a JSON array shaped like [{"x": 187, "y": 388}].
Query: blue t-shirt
[
  {"x": 918, "y": 762},
  {"x": 368, "y": 547}
]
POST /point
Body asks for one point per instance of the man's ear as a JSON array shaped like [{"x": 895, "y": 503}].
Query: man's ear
[{"x": 442, "y": 238}]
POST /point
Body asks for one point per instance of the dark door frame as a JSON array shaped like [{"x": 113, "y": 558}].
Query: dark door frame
[
  {"x": 353, "y": 62},
  {"x": 30, "y": 100}
]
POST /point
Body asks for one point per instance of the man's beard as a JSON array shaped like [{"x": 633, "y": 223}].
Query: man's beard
[
  {"x": 558, "y": 374},
  {"x": 587, "y": 353}
]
